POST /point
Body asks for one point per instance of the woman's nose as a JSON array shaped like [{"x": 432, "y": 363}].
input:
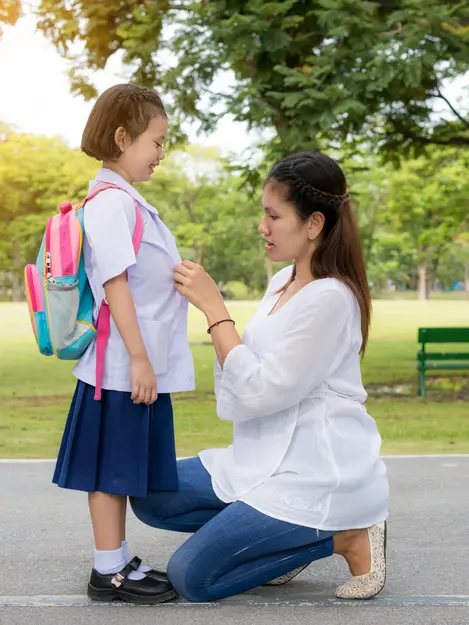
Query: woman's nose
[{"x": 262, "y": 228}]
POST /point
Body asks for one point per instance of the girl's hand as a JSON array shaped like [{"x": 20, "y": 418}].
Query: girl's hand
[
  {"x": 192, "y": 281},
  {"x": 144, "y": 389}
]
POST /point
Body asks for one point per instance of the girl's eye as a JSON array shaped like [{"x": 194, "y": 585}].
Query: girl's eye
[
  {"x": 274, "y": 217},
  {"x": 159, "y": 145}
]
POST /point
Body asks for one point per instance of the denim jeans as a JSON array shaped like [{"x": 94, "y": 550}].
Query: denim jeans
[{"x": 234, "y": 548}]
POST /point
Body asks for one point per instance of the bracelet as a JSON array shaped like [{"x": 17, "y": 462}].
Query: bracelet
[{"x": 209, "y": 331}]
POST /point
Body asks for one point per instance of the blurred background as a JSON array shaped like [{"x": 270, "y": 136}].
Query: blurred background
[{"x": 380, "y": 86}]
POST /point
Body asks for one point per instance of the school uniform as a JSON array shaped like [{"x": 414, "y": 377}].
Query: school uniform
[{"x": 113, "y": 445}]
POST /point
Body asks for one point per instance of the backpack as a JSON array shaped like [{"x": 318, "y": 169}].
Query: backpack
[{"x": 59, "y": 295}]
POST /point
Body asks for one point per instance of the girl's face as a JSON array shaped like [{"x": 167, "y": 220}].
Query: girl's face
[
  {"x": 287, "y": 237},
  {"x": 140, "y": 157}
]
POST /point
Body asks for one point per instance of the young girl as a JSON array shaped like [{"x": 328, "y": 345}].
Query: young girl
[{"x": 120, "y": 441}]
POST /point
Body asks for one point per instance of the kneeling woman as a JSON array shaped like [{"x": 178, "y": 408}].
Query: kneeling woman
[{"x": 303, "y": 478}]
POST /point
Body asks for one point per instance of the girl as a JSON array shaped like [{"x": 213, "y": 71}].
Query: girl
[
  {"x": 303, "y": 478},
  {"x": 120, "y": 441}
]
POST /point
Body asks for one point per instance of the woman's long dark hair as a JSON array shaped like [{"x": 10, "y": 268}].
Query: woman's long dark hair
[{"x": 313, "y": 182}]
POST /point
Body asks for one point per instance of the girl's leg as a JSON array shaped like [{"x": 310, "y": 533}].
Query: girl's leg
[
  {"x": 240, "y": 549},
  {"x": 124, "y": 521},
  {"x": 113, "y": 577},
  {"x": 106, "y": 516},
  {"x": 184, "y": 510}
]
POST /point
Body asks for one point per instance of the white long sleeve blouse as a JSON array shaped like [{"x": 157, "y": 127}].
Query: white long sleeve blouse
[{"x": 304, "y": 448}]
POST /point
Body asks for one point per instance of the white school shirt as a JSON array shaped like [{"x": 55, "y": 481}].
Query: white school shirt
[
  {"x": 109, "y": 222},
  {"x": 304, "y": 448}
]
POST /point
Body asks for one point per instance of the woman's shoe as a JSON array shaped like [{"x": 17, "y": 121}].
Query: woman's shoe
[
  {"x": 118, "y": 587},
  {"x": 369, "y": 585},
  {"x": 284, "y": 579}
]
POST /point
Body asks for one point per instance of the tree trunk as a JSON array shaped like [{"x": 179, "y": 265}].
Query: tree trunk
[
  {"x": 17, "y": 290},
  {"x": 269, "y": 270},
  {"x": 432, "y": 277},
  {"x": 199, "y": 255},
  {"x": 423, "y": 284}
]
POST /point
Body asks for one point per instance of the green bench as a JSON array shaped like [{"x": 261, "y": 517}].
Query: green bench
[{"x": 440, "y": 360}]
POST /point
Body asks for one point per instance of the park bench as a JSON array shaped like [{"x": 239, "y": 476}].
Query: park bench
[{"x": 440, "y": 360}]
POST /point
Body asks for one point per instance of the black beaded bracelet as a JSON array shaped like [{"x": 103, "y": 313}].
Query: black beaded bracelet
[{"x": 209, "y": 331}]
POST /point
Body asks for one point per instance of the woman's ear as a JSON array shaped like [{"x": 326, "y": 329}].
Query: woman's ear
[{"x": 316, "y": 225}]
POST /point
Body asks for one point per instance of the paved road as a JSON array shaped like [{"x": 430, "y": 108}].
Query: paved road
[{"x": 46, "y": 548}]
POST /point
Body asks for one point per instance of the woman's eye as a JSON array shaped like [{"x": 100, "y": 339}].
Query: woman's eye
[{"x": 274, "y": 217}]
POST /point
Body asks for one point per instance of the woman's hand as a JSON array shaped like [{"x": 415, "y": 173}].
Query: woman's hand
[{"x": 192, "y": 281}]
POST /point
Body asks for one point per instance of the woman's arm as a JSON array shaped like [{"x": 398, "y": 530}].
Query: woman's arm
[
  {"x": 296, "y": 362},
  {"x": 224, "y": 336}
]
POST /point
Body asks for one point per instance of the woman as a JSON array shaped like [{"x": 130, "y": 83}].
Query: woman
[{"x": 303, "y": 478}]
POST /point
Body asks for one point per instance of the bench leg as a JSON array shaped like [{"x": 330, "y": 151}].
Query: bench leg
[{"x": 422, "y": 382}]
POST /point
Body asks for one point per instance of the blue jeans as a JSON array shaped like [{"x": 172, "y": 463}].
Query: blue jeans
[{"x": 234, "y": 548}]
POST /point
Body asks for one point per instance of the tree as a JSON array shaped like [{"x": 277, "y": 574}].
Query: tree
[
  {"x": 462, "y": 243},
  {"x": 318, "y": 73},
  {"x": 10, "y": 11},
  {"x": 36, "y": 175},
  {"x": 427, "y": 202}
]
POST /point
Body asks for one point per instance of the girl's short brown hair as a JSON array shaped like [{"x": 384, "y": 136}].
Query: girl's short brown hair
[{"x": 129, "y": 106}]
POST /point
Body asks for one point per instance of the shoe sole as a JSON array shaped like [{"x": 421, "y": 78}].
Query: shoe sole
[
  {"x": 287, "y": 581},
  {"x": 109, "y": 596}
]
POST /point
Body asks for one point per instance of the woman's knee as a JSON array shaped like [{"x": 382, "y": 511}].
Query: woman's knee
[
  {"x": 150, "y": 510},
  {"x": 188, "y": 578}
]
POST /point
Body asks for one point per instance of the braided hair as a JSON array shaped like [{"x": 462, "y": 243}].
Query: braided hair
[{"x": 313, "y": 182}]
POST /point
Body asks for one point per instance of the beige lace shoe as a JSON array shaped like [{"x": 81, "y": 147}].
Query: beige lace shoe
[
  {"x": 370, "y": 584},
  {"x": 284, "y": 579}
]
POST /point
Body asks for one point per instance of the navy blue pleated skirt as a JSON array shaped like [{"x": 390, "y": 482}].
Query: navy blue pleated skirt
[{"x": 115, "y": 446}]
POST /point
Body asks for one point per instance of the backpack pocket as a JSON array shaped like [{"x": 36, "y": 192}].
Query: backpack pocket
[
  {"x": 63, "y": 299},
  {"x": 35, "y": 295}
]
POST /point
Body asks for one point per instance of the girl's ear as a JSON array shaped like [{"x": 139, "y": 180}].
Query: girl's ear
[{"x": 120, "y": 137}]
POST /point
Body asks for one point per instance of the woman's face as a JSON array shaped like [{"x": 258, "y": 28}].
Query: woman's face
[{"x": 287, "y": 237}]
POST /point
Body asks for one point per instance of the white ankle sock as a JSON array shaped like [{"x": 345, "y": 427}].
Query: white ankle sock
[
  {"x": 107, "y": 562},
  {"x": 143, "y": 568}
]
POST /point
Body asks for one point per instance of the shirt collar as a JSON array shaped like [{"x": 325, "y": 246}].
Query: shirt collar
[{"x": 107, "y": 175}]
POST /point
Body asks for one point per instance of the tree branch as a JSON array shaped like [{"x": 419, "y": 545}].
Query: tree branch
[
  {"x": 458, "y": 115},
  {"x": 408, "y": 134},
  {"x": 431, "y": 141}
]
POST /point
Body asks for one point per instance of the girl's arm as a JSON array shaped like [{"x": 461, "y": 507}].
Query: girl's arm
[{"x": 121, "y": 304}]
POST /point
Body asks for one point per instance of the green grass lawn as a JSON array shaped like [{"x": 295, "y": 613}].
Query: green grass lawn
[{"x": 35, "y": 391}]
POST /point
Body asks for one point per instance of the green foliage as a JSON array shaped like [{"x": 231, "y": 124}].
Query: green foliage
[
  {"x": 413, "y": 222},
  {"x": 36, "y": 175},
  {"x": 236, "y": 290},
  {"x": 318, "y": 73}
]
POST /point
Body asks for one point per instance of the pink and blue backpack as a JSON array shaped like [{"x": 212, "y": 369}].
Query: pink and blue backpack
[{"x": 59, "y": 295}]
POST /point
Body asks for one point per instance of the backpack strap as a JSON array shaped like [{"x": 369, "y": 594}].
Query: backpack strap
[{"x": 103, "y": 322}]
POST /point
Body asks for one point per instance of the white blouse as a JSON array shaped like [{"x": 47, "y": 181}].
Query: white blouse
[{"x": 304, "y": 448}]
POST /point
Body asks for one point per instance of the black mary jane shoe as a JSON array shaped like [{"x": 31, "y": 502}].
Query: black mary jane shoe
[
  {"x": 159, "y": 576},
  {"x": 118, "y": 587}
]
